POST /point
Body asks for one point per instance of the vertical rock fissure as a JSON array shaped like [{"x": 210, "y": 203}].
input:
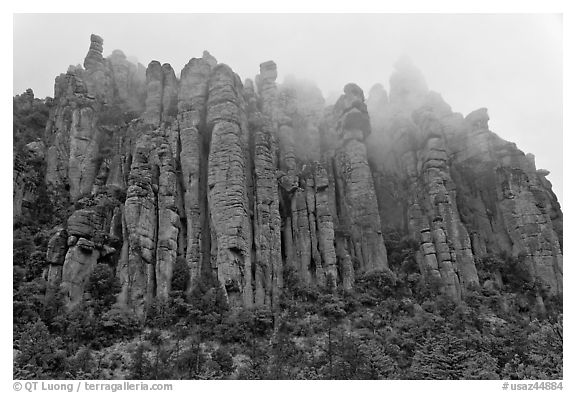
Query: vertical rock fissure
[
  {"x": 154, "y": 262},
  {"x": 205, "y": 223},
  {"x": 195, "y": 144},
  {"x": 183, "y": 234},
  {"x": 254, "y": 214}
]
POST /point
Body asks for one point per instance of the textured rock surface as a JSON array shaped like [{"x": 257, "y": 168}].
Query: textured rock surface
[
  {"x": 56, "y": 254},
  {"x": 245, "y": 182},
  {"x": 194, "y": 143},
  {"x": 267, "y": 223},
  {"x": 508, "y": 204},
  {"x": 227, "y": 191},
  {"x": 458, "y": 188},
  {"x": 308, "y": 221},
  {"x": 359, "y": 219},
  {"x": 88, "y": 240}
]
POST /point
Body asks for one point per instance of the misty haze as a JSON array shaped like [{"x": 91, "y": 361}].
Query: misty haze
[{"x": 287, "y": 196}]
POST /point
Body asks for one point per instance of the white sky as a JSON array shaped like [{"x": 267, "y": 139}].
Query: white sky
[{"x": 509, "y": 63}]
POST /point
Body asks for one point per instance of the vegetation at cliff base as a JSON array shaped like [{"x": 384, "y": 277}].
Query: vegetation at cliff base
[{"x": 393, "y": 325}]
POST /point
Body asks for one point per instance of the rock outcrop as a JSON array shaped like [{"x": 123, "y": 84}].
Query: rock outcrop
[
  {"x": 359, "y": 218},
  {"x": 194, "y": 142},
  {"x": 89, "y": 241},
  {"x": 458, "y": 188},
  {"x": 265, "y": 204},
  {"x": 506, "y": 202},
  {"x": 249, "y": 183},
  {"x": 227, "y": 184}
]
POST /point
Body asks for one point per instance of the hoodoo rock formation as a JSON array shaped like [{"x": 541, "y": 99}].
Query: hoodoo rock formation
[{"x": 247, "y": 183}]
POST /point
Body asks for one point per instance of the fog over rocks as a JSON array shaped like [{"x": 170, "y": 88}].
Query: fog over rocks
[{"x": 247, "y": 180}]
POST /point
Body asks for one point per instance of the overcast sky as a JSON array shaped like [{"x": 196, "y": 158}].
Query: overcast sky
[{"x": 511, "y": 64}]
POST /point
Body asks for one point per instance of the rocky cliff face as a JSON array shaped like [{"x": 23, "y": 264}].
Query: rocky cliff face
[
  {"x": 459, "y": 189},
  {"x": 247, "y": 182}
]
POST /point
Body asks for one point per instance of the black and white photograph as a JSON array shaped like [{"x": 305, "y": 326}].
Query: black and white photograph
[{"x": 287, "y": 196}]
